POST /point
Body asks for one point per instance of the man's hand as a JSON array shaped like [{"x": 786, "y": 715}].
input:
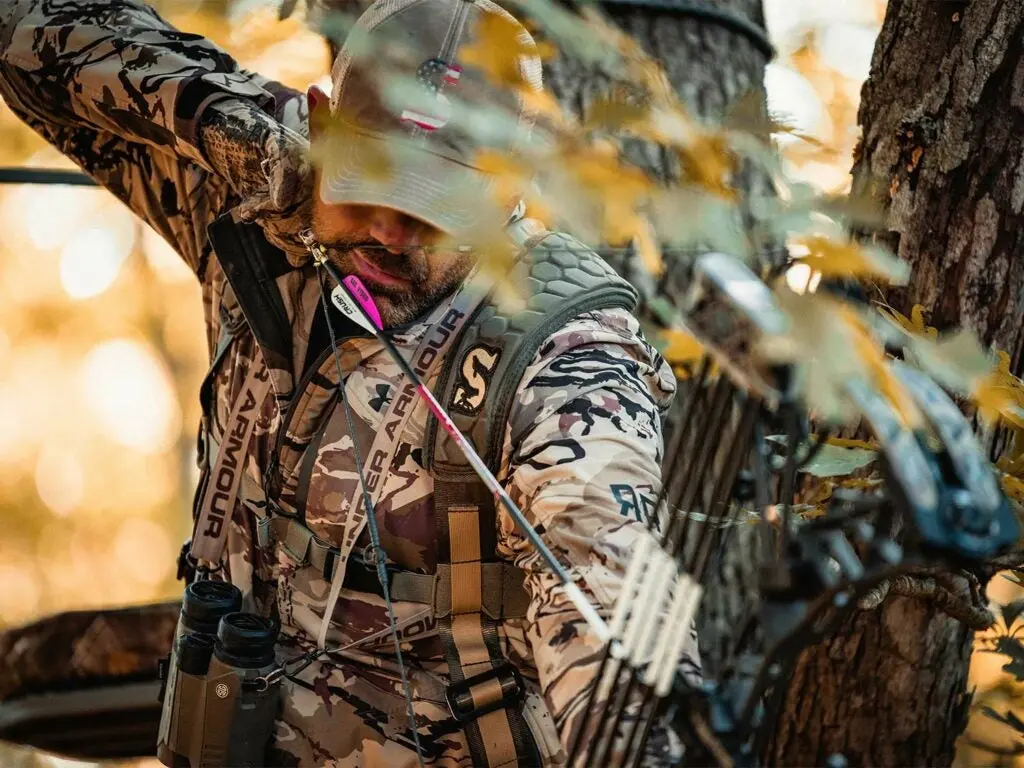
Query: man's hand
[{"x": 267, "y": 166}]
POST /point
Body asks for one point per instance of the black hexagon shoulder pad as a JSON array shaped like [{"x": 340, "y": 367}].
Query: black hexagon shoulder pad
[{"x": 561, "y": 278}]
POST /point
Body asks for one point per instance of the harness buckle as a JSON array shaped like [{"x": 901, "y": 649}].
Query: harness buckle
[{"x": 498, "y": 688}]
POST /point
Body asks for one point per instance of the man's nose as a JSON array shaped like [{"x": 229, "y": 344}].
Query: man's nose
[{"x": 394, "y": 230}]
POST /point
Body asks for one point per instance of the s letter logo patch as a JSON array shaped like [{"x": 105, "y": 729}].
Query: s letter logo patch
[{"x": 474, "y": 377}]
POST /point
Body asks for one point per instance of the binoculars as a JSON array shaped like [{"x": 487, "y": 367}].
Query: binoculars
[{"x": 220, "y": 698}]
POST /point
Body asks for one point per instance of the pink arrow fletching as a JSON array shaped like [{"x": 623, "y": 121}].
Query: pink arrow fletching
[{"x": 358, "y": 290}]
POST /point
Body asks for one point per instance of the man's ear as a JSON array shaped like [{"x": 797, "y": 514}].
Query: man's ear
[{"x": 319, "y": 106}]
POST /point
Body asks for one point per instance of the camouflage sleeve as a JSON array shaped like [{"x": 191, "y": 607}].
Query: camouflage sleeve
[
  {"x": 121, "y": 92},
  {"x": 583, "y": 454}
]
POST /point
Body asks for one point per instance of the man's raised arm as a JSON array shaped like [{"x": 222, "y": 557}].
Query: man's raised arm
[{"x": 131, "y": 99}]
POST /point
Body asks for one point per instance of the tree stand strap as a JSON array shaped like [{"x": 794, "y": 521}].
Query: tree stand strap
[{"x": 741, "y": 25}]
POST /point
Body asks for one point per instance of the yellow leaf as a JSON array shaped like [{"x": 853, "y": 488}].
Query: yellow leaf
[
  {"x": 845, "y": 442},
  {"x": 849, "y": 259},
  {"x": 873, "y": 356},
  {"x": 339, "y": 136},
  {"x": 682, "y": 348},
  {"x": 543, "y": 104},
  {"x": 614, "y": 114},
  {"x": 914, "y": 325},
  {"x": 621, "y": 189},
  {"x": 917, "y": 321},
  {"x": 1013, "y": 488},
  {"x": 1000, "y": 395},
  {"x": 646, "y": 244},
  {"x": 708, "y": 162},
  {"x": 497, "y": 47}
]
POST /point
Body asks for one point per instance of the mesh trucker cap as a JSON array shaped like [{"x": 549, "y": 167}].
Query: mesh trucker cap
[{"x": 413, "y": 117}]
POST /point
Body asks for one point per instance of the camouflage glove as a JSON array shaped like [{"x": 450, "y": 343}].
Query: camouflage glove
[{"x": 267, "y": 166}]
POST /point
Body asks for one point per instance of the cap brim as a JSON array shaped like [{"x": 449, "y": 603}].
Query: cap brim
[{"x": 375, "y": 170}]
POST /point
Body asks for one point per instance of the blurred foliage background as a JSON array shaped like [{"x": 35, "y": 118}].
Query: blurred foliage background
[{"x": 102, "y": 350}]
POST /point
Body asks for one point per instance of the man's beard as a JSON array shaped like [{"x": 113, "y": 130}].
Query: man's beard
[{"x": 428, "y": 284}]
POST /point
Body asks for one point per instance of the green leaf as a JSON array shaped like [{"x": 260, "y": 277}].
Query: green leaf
[
  {"x": 569, "y": 31},
  {"x": 853, "y": 209},
  {"x": 664, "y": 311},
  {"x": 957, "y": 362},
  {"x": 835, "y": 461}
]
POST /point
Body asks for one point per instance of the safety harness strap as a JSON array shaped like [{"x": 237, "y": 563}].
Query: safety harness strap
[
  {"x": 502, "y": 593},
  {"x": 485, "y": 692}
]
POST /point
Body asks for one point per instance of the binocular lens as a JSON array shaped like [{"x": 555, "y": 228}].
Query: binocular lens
[
  {"x": 205, "y": 602},
  {"x": 246, "y": 640}
]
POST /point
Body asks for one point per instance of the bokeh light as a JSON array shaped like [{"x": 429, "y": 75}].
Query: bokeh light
[
  {"x": 163, "y": 260},
  {"x": 146, "y": 546},
  {"x": 92, "y": 259},
  {"x": 794, "y": 100},
  {"x": 60, "y": 480},
  {"x": 127, "y": 389}
]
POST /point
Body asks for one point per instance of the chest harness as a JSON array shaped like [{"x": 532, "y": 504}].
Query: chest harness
[{"x": 481, "y": 354}]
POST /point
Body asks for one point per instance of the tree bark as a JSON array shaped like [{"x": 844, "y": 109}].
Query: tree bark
[
  {"x": 888, "y": 689},
  {"x": 943, "y": 152},
  {"x": 709, "y": 65}
]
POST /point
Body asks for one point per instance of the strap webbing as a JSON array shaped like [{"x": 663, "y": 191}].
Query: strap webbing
[
  {"x": 218, "y": 505},
  {"x": 471, "y": 641},
  {"x": 501, "y": 591}
]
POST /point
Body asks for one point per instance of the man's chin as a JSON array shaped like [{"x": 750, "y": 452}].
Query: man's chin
[{"x": 394, "y": 310}]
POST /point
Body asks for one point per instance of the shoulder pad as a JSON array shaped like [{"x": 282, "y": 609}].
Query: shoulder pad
[{"x": 561, "y": 279}]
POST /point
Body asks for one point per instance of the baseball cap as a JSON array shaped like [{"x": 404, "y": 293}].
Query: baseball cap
[{"x": 412, "y": 115}]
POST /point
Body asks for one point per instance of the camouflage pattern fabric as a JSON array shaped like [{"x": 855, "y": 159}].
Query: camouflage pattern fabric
[{"x": 176, "y": 130}]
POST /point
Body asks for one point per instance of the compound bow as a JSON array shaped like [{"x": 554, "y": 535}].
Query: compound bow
[{"x": 938, "y": 505}]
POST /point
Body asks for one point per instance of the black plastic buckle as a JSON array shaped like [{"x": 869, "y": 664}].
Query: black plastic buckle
[
  {"x": 187, "y": 566},
  {"x": 460, "y": 695}
]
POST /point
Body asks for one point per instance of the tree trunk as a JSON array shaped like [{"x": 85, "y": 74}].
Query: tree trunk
[
  {"x": 942, "y": 151},
  {"x": 708, "y": 64},
  {"x": 888, "y": 689}
]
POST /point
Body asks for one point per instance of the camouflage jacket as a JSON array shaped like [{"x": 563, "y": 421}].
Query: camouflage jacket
[{"x": 129, "y": 99}]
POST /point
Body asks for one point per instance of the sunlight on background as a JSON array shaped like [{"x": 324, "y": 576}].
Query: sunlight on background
[
  {"x": 102, "y": 346},
  {"x": 102, "y": 350},
  {"x": 129, "y": 394},
  {"x": 824, "y": 55}
]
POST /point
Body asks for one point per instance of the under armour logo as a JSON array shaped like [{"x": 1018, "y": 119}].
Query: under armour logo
[{"x": 434, "y": 75}]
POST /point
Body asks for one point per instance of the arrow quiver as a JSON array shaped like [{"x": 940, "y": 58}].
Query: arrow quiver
[{"x": 736, "y": 444}]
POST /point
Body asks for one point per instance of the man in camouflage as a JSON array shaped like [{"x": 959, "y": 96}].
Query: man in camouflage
[{"x": 213, "y": 157}]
